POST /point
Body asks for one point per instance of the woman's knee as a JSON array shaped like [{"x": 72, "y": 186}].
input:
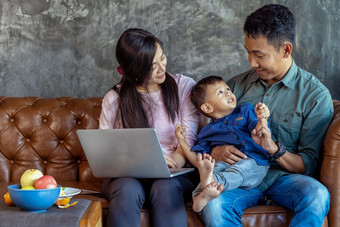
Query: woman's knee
[
  {"x": 127, "y": 189},
  {"x": 166, "y": 192},
  {"x": 165, "y": 186}
]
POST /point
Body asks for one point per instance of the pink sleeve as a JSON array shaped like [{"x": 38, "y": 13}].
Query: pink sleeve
[
  {"x": 109, "y": 111},
  {"x": 189, "y": 116}
]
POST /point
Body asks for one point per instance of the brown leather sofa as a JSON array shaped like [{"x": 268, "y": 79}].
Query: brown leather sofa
[{"x": 41, "y": 133}]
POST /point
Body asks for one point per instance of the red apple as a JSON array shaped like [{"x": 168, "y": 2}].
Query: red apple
[{"x": 45, "y": 182}]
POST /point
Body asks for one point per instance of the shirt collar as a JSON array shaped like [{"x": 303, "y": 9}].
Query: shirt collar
[
  {"x": 225, "y": 118},
  {"x": 288, "y": 80}
]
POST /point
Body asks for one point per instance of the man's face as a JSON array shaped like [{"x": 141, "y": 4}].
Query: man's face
[{"x": 268, "y": 62}]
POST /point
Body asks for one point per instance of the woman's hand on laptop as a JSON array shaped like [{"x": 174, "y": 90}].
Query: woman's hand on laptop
[{"x": 170, "y": 162}]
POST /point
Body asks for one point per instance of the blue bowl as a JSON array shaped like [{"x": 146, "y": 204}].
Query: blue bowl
[{"x": 38, "y": 200}]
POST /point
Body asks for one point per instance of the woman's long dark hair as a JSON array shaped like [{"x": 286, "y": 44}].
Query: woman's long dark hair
[{"x": 135, "y": 51}]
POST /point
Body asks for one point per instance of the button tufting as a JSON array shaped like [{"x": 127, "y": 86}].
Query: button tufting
[
  {"x": 79, "y": 122},
  {"x": 61, "y": 141},
  {"x": 79, "y": 161},
  {"x": 45, "y": 120},
  {"x": 11, "y": 162},
  {"x": 12, "y": 120},
  {"x": 28, "y": 140},
  {"x": 45, "y": 162}
]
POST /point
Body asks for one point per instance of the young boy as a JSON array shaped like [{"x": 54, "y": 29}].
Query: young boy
[{"x": 244, "y": 127}]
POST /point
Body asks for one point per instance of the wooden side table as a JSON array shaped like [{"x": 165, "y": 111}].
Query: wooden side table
[{"x": 92, "y": 216}]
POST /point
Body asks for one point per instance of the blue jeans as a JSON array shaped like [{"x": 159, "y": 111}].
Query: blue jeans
[
  {"x": 305, "y": 196},
  {"x": 245, "y": 173}
]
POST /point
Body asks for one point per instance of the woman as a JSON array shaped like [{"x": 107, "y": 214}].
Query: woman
[{"x": 147, "y": 96}]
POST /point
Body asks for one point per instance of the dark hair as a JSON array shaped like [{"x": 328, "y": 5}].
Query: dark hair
[
  {"x": 275, "y": 22},
  {"x": 199, "y": 91},
  {"x": 135, "y": 51}
]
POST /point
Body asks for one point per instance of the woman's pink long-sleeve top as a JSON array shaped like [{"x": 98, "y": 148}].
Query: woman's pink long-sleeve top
[{"x": 165, "y": 128}]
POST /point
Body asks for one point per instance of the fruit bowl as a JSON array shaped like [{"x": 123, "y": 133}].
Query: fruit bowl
[{"x": 37, "y": 200}]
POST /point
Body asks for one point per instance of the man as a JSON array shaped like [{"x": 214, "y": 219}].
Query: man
[{"x": 301, "y": 110}]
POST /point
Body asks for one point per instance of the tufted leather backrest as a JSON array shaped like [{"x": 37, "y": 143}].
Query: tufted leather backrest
[
  {"x": 330, "y": 168},
  {"x": 40, "y": 133}
]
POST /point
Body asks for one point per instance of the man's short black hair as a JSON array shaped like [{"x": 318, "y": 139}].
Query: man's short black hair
[{"x": 274, "y": 22}]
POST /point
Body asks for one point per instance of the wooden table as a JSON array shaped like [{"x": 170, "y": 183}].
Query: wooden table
[{"x": 92, "y": 216}]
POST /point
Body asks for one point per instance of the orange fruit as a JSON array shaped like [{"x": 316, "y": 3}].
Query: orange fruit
[
  {"x": 8, "y": 200},
  {"x": 63, "y": 201}
]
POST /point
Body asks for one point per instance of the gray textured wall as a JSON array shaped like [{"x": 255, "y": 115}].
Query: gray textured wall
[{"x": 56, "y": 48}]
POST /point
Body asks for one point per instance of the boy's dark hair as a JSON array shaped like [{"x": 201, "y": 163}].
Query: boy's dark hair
[
  {"x": 199, "y": 91},
  {"x": 275, "y": 22}
]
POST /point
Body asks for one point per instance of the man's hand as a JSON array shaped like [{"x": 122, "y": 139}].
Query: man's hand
[
  {"x": 263, "y": 138},
  {"x": 228, "y": 154},
  {"x": 261, "y": 134}
]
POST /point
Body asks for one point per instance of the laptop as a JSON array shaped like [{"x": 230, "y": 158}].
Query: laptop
[{"x": 133, "y": 152}]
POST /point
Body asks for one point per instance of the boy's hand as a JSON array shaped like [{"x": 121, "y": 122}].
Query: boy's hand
[
  {"x": 261, "y": 134},
  {"x": 180, "y": 132},
  {"x": 262, "y": 111}
]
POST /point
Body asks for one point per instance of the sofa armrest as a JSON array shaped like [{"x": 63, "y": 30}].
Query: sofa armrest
[{"x": 330, "y": 167}]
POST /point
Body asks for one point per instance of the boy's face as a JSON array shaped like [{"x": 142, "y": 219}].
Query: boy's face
[{"x": 220, "y": 101}]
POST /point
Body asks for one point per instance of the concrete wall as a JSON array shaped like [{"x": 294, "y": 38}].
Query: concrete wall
[{"x": 57, "y": 48}]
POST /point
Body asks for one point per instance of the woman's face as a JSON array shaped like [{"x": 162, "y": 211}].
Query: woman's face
[{"x": 157, "y": 72}]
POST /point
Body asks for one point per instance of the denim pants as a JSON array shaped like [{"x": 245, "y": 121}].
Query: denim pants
[
  {"x": 165, "y": 196},
  {"x": 306, "y": 197},
  {"x": 245, "y": 173}
]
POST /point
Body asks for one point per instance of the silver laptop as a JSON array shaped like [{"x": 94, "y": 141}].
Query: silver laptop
[{"x": 126, "y": 153}]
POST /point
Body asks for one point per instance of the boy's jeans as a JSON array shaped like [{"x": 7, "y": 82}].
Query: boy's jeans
[{"x": 245, "y": 173}]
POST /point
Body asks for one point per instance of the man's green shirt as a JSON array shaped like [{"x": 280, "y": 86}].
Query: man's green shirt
[{"x": 301, "y": 109}]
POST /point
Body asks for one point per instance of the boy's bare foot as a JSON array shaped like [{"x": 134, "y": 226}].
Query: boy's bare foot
[
  {"x": 205, "y": 165},
  {"x": 211, "y": 191}
]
